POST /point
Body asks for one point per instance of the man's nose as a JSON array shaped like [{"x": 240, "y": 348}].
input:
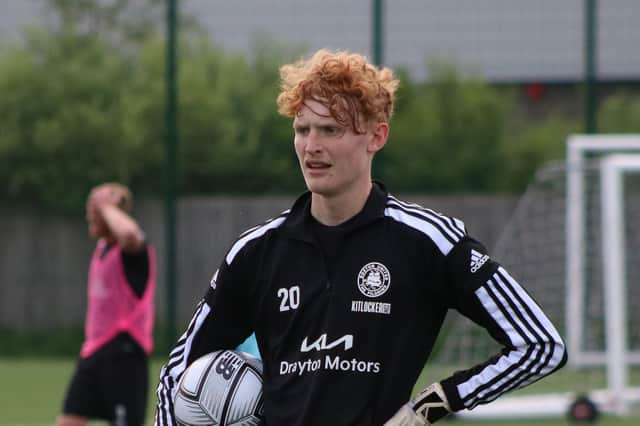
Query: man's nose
[{"x": 314, "y": 142}]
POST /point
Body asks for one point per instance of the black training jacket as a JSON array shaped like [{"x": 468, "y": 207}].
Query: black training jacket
[{"x": 343, "y": 344}]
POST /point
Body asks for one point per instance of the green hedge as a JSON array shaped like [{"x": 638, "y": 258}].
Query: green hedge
[
  {"x": 61, "y": 342},
  {"x": 58, "y": 342}
]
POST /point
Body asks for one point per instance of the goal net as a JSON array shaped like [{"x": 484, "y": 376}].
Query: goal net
[{"x": 574, "y": 243}]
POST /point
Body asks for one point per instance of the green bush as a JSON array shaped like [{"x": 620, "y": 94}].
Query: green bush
[
  {"x": 447, "y": 136},
  {"x": 531, "y": 147},
  {"x": 620, "y": 113}
]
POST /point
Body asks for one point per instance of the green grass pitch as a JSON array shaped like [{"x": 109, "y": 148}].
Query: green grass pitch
[{"x": 32, "y": 391}]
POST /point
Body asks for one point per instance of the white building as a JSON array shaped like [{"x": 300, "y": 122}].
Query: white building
[{"x": 500, "y": 40}]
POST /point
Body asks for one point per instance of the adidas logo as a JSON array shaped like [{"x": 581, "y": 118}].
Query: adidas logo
[{"x": 477, "y": 260}]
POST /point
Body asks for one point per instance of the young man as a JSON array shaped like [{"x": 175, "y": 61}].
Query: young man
[
  {"x": 348, "y": 289},
  {"x": 111, "y": 378}
]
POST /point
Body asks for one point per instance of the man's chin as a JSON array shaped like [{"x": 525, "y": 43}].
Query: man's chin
[
  {"x": 319, "y": 186},
  {"x": 319, "y": 189},
  {"x": 97, "y": 233}
]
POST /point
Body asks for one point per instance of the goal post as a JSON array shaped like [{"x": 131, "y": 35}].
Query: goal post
[
  {"x": 615, "y": 156},
  {"x": 618, "y": 357},
  {"x": 579, "y": 148}
]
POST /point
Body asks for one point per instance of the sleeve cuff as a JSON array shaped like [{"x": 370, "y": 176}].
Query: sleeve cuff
[{"x": 451, "y": 391}]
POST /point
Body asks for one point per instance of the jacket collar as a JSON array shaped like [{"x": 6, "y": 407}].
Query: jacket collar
[{"x": 299, "y": 222}]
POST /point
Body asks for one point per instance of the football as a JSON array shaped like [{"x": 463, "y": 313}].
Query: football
[{"x": 222, "y": 388}]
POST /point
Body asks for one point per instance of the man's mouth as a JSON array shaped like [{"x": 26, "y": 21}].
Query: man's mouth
[{"x": 317, "y": 165}]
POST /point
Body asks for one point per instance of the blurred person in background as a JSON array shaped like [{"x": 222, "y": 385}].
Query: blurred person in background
[
  {"x": 111, "y": 377},
  {"x": 347, "y": 290}
]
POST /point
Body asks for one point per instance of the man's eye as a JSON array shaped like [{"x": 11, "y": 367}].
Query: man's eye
[
  {"x": 331, "y": 131},
  {"x": 301, "y": 131}
]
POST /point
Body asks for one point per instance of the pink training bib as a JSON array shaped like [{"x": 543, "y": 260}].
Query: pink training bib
[{"x": 113, "y": 307}]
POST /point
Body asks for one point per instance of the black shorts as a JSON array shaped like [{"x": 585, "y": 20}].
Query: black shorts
[{"x": 112, "y": 379}]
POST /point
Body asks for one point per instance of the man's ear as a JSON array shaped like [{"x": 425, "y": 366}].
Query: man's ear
[{"x": 379, "y": 139}]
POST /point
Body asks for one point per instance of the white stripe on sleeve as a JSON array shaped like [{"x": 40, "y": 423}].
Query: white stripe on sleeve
[
  {"x": 172, "y": 371},
  {"x": 537, "y": 346}
]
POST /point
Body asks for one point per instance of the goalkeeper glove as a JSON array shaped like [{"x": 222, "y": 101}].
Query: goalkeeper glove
[{"x": 425, "y": 409}]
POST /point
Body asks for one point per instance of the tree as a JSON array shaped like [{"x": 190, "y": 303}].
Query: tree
[{"x": 60, "y": 114}]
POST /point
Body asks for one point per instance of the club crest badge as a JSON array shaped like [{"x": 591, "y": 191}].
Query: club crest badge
[{"x": 374, "y": 279}]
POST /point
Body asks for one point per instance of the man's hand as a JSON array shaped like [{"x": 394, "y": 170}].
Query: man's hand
[
  {"x": 107, "y": 215},
  {"x": 105, "y": 194},
  {"x": 426, "y": 408}
]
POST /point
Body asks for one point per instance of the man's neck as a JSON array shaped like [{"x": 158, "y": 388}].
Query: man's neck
[{"x": 336, "y": 209}]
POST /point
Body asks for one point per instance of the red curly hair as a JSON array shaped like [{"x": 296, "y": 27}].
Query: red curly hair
[{"x": 351, "y": 88}]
